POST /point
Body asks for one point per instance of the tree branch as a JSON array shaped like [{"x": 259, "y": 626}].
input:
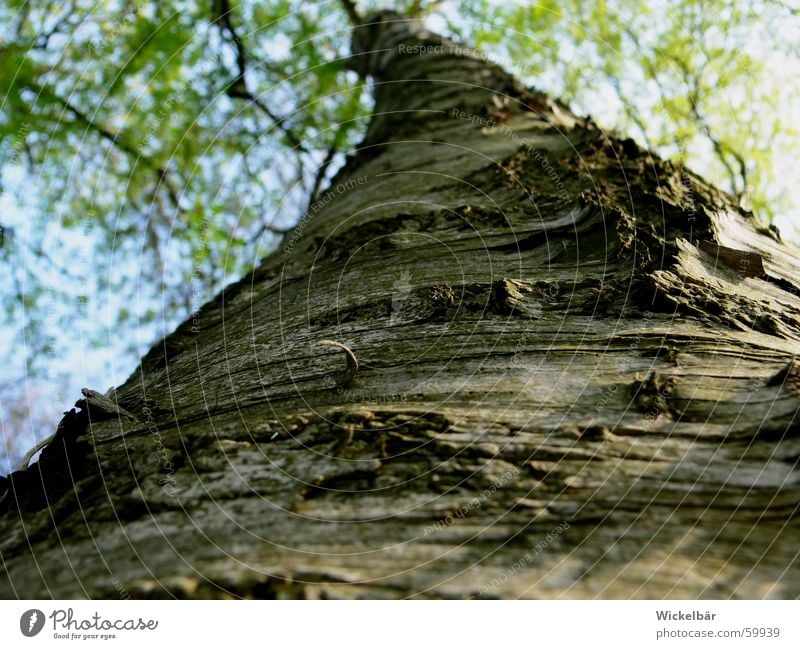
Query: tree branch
[
  {"x": 238, "y": 88},
  {"x": 224, "y": 19},
  {"x": 352, "y": 13}
]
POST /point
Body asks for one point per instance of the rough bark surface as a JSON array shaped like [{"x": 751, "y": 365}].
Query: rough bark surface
[{"x": 575, "y": 379}]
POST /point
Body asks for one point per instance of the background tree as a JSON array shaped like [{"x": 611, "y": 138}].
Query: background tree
[{"x": 567, "y": 373}]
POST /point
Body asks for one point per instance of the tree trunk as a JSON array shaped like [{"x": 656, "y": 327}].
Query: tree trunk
[{"x": 574, "y": 378}]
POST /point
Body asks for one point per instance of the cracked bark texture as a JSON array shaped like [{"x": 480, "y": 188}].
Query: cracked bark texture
[{"x": 572, "y": 381}]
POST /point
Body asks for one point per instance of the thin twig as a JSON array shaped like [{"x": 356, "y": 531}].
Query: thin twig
[
  {"x": 321, "y": 172},
  {"x": 162, "y": 175},
  {"x": 692, "y": 81}
]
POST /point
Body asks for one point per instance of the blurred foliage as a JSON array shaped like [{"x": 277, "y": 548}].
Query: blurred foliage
[
  {"x": 176, "y": 140},
  {"x": 150, "y": 152}
]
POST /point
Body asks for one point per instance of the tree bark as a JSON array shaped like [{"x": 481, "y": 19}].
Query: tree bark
[{"x": 572, "y": 375}]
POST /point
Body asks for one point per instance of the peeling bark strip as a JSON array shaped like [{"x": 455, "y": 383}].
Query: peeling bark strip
[
  {"x": 563, "y": 324},
  {"x": 63, "y": 458},
  {"x": 747, "y": 264},
  {"x": 788, "y": 377}
]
